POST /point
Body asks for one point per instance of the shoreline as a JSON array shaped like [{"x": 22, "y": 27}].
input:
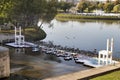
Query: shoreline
[{"x": 67, "y": 16}]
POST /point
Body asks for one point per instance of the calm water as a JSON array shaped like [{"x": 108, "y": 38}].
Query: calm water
[
  {"x": 40, "y": 65},
  {"x": 84, "y": 35}
]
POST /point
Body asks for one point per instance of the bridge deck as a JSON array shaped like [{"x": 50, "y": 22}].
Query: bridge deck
[{"x": 86, "y": 73}]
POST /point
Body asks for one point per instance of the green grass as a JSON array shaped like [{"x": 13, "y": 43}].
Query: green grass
[
  {"x": 111, "y": 76},
  {"x": 77, "y": 16},
  {"x": 33, "y": 34}
]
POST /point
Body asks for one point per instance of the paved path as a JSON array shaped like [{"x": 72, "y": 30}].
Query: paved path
[{"x": 86, "y": 73}]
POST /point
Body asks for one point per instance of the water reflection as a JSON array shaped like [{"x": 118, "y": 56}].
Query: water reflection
[
  {"x": 92, "y": 21},
  {"x": 19, "y": 50},
  {"x": 40, "y": 65},
  {"x": 86, "y": 35}
]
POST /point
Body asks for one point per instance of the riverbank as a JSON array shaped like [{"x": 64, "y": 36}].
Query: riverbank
[{"x": 66, "y": 16}]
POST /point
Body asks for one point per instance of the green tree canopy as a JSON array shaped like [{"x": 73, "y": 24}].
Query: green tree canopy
[
  {"x": 101, "y": 6},
  {"x": 108, "y": 6},
  {"x": 5, "y": 5},
  {"x": 91, "y": 6},
  {"x": 116, "y": 8},
  {"x": 64, "y": 6},
  {"x": 116, "y": 2},
  {"x": 28, "y": 12},
  {"x": 82, "y": 5}
]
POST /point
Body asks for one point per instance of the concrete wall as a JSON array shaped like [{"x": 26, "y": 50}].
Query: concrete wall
[{"x": 4, "y": 62}]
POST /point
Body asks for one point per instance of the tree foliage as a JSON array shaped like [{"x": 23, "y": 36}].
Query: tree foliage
[
  {"x": 101, "y": 6},
  {"x": 116, "y": 8},
  {"x": 82, "y": 5},
  {"x": 107, "y": 6},
  {"x": 28, "y": 12},
  {"x": 5, "y": 5},
  {"x": 116, "y": 2},
  {"x": 91, "y": 6},
  {"x": 64, "y": 6}
]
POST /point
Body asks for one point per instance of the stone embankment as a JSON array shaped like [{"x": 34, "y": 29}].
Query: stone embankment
[{"x": 4, "y": 62}]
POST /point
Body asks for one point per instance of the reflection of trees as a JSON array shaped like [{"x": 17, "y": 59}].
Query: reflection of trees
[{"x": 108, "y": 22}]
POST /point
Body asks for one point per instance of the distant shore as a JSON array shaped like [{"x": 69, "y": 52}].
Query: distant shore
[{"x": 88, "y": 16}]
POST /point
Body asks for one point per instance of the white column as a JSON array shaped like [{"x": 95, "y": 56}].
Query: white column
[
  {"x": 15, "y": 36},
  {"x": 112, "y": 45},
  {"x": 20, "y": 31},
  {"x": 112, "y": 42},
  {"x": 103, "y": 58},
  {"x": 99, "y": 56},
  {"x": 107, "y": 45},
  {"x": 107, "y": 59}
]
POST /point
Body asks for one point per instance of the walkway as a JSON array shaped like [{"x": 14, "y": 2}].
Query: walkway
[{"x": 86, "y": 73}]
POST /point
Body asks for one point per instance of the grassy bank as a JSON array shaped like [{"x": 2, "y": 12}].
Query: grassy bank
[
  {"x": 31, "y": 33},
  {"x": 111, "y": 76},
  {"x": 88, "y": 17}
]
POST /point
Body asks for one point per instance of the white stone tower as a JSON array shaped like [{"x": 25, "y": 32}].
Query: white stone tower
[
  {"x": 19, "y": 39},
  {"x": 105, "y": 56}
]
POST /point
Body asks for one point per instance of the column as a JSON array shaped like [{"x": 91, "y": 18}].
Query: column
[{"x": 15, "y": 36}]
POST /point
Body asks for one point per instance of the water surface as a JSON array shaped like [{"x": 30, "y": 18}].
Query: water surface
[{"x": 84, "y": 35}]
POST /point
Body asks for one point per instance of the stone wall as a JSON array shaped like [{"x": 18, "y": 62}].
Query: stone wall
[{"x": 4, "y": 62}]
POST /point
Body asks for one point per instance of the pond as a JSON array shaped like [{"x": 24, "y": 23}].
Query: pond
[{"x": 85, "y": 35}]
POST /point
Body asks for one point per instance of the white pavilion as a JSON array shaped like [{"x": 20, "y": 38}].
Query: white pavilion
[{"x": 105, "y": 56}]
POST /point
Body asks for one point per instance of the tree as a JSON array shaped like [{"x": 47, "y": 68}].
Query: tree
[
  {"x": 82, "y": 5},
  {"x": 28, "y": 12},
  {"x": 65, "y": 6},
  {"x": 116, "y": 8},
  {"x": 5, "y": 6},
  {"x": 101, "y": 6},
  {"x": 49, "y": 12},
  {"x": 91, "y": 6},
  {"x": 108, "y": 6},
  {"x": 116, "y": 2}
]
